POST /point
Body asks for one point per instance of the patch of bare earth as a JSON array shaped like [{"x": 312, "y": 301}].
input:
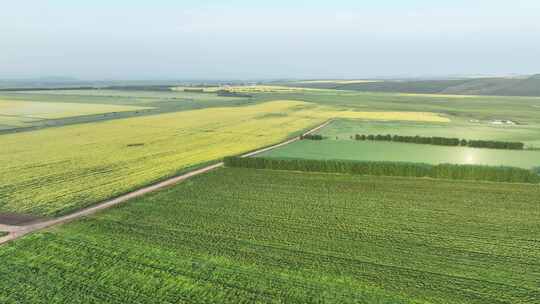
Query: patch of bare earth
[{"x": 15, "y": 219}]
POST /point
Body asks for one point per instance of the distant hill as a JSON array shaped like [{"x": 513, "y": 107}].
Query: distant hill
[
  {"x": 525, "y": 86},
  {"x": 498, "y": 86}
]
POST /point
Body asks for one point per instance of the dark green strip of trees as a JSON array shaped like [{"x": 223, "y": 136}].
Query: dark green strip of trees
[
  {"x": 446, "y": 171},
  {"x": 311, "y": 137},
  {"x": 227, "y": 93},
  {"x": 444, "y": 141}
]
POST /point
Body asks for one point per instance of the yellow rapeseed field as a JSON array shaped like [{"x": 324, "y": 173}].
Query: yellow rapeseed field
[
  {"x": 248, "y": 89},
  {"x": 268, "y": 89},
  {"x": 447, "y": 96},
  {"x": 325, "y": 112},
  {"x": 10, "y": 122},
  {"x": 339, "y": 81},
  {"x": 57, "y": 170}
]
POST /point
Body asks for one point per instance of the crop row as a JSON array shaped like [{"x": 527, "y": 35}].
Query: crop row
[{"x": 262, "y": 236}]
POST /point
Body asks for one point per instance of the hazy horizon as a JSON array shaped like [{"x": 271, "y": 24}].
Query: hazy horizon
[{"x": 167, "y": 39}]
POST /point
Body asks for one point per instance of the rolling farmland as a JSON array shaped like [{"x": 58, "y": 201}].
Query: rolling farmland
[
  {"x": 460, "y": 108},
  {"x": 270, "y": 152},
  {"x": 501, "y": 86},
  {"x": 244, "y": 89},
  {"x": 340, "y": 143},
  {"x": 132, "y": 96},
  {"x": 51, "y": 110},
  {"x": 259, "y": 236},
  {"x": 87, "y": 106},
  {"x": 79, "y": 165},
  {"x": 17, "y": 113}
]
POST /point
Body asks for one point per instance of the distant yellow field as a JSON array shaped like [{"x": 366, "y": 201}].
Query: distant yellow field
[
  {"x": 439, "y": 95},
  {"x": 339, "y": 81},
  {"x": 55, "y": 170},
  {"x": 246, "y": 89},
  {"x": 384, "y": 116},
  {"x": 202, "y": 89},
  {"x": 17, "y": 113},
  {"x": 8, "y": 122},
  {"x": 267, "y": 89}
]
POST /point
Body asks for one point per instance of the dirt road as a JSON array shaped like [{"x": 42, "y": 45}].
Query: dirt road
[{"x": 16, "y": 232}]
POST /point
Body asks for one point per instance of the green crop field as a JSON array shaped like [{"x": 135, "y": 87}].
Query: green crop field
[
  {"x": 70, "y": 107},
  {"x": 405, "y": 152},
  {"x": 134, "y": 95},
  {"x": 524, "y": 110},
  {"x": 502, "y": 86},
  {"x": 339, "y": 143},
  {"x": 18, "y": 113},
  {"x": 51, "y": 110},
  {"x": 470, "y": 116},
  {"x": 345, "y": 129},
  {"x": 460, "y": 109},
  {"x": 258, "y": 236}
]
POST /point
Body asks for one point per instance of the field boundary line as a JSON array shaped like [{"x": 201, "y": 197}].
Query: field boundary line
[{"x": 16, "y": 232}]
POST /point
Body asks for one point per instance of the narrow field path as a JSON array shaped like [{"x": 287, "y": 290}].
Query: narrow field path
[{"x": 16, "y": 232}]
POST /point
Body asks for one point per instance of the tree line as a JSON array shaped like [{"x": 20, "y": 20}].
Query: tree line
[
  {"x": 444, "y": 141},
  {"x": 228, "y": 93},
  {"x": 445, "y": 171},
  {"x": 311, "y": 136}
]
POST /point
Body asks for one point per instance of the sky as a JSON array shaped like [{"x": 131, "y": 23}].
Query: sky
[{"x": 238, "y": 39}]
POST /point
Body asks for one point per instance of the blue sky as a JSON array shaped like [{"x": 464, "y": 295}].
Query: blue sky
[{"x": 267, "y": 39}]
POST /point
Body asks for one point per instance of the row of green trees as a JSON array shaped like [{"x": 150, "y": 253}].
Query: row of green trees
[
  {"x": 444, "y": 141},
  {"x": 227, "y": 93},
  {"x": 311, "y": 136},
  {"x": 446, "y": 171},
  {"x": 496, "y": 144}
]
